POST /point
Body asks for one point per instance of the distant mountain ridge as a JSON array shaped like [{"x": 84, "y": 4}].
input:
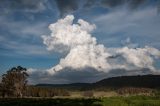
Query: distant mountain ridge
[{"x": 146, "y": 81}]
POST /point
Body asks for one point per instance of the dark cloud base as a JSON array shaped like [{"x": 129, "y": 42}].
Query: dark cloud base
[{"x": 84, "y": 75}]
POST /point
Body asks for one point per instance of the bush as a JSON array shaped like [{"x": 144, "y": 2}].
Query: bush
[
  {"x": 157, "y": 93},
  {"x": 88, "y": 93},
  {"x": 132, "y": 91}
]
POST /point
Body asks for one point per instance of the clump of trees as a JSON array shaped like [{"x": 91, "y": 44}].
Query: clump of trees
[
  {"x": 14, "y": 82},
  {"x": 34, "y": 91},
  {"x": 88, "y": 94},
  {"x": 134, "y": 91}
]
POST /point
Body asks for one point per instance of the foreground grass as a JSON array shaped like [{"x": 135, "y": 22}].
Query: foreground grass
[
  {"x": 49, "y": 102},
  {"x": 131, "y": 101},
  {"x": 110, "y": 101}
]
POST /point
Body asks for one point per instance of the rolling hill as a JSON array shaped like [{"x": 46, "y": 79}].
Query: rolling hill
[{"x": 145, "y": 81}]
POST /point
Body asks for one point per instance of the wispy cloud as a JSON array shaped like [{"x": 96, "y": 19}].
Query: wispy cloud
[
  {"x": 23, "y": 28},
  {"x": 28, "y": 40},
  {"x": 140, "y": 24},
  {"x": 30, "y": 6}
]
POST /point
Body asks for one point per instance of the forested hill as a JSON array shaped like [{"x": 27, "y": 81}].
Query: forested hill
[{"x": 146, "y": 81}]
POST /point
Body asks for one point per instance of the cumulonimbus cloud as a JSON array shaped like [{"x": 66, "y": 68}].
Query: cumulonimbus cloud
[
  {"x": 84, "y": 51},
  {"x": 87, "y": 61}
]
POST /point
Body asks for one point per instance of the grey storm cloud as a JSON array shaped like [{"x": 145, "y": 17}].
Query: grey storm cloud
[
  {"x": 158, "y": 7},
  {"x": 66, "y": 75},
  {"x": 70, "y": 6},
  {"x": 124, "y": 72},
  {"x": 83, "y": 75},
  {"x": 136, "y": 3},
  {"x": 112, "y": 3},
  {"x": 67, "y": 6},
  {"x": 132, "y": 4}
]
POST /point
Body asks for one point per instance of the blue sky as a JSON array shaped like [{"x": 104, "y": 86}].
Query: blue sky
[{"x": 133, "y": 23}]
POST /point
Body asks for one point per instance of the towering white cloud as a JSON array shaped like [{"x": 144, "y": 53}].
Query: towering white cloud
[
  {"x": 83, "y": 50},
  {"x": 66, "y": 34}
]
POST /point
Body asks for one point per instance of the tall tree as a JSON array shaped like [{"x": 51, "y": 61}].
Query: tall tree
[{"x": 14, "y": 81}]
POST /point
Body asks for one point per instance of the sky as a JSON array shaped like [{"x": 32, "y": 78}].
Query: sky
[{"x": 68, "y": 41}]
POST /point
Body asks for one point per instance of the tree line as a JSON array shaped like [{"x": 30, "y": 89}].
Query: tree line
[{"x": 14, "y": 84}]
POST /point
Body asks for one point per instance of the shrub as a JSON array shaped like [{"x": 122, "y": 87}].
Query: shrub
[
  {"x": 132, "y": 90},
  {"x": 88, "y": 93}
]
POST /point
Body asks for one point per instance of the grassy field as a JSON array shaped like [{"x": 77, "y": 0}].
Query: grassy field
[
  {"x": 131, "y": 101},
  {"x": 107, "y": 101}
]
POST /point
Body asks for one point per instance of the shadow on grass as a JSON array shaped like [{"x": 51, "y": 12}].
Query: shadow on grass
[{"x": 49, "y": 102}]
